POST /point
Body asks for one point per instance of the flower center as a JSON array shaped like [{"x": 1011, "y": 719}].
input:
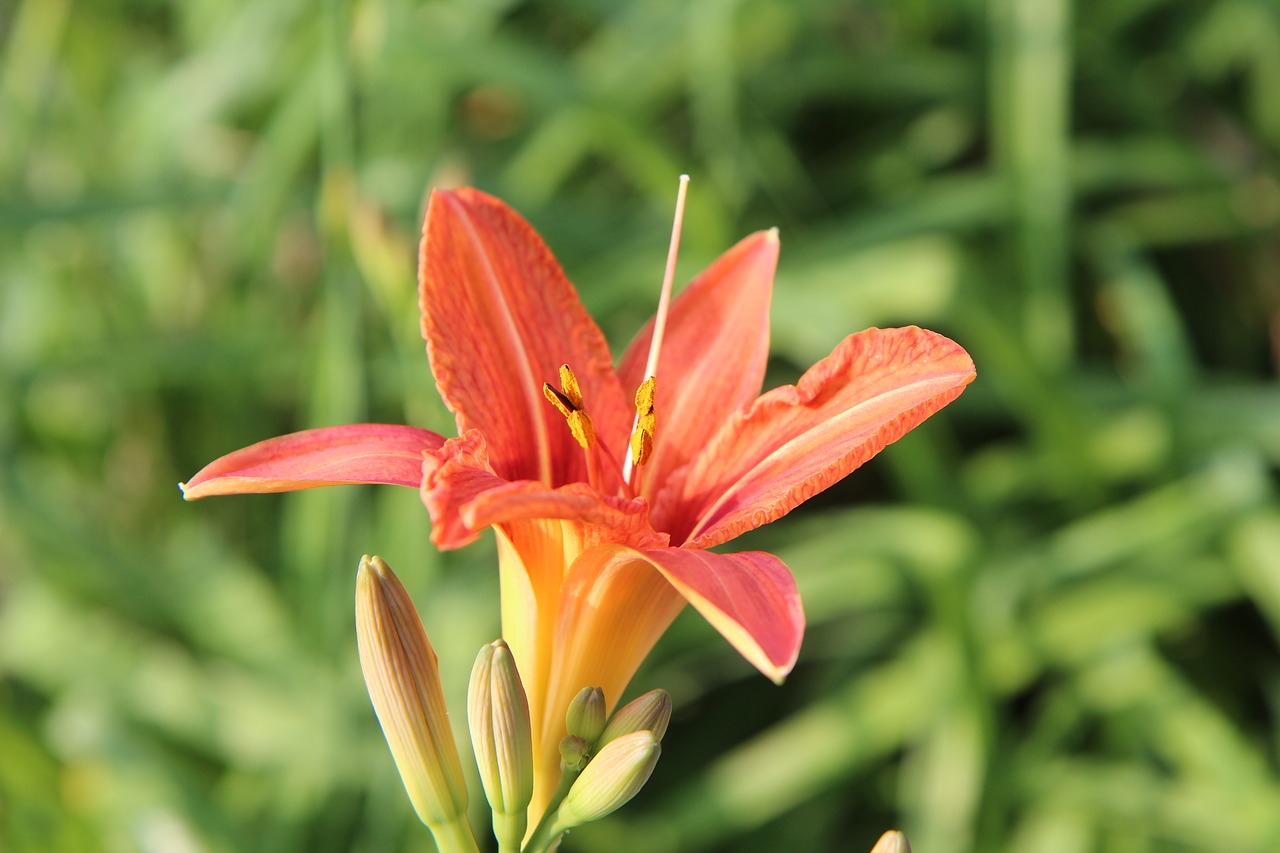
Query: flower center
[{"x": 600, "y": 459}]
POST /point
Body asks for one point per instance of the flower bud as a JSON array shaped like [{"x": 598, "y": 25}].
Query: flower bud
[
  {"x": 892, "y": 841},
  {"x": 585, "y": 717},
  {"x": 612, "y": 778},
  {"x": 573, "y": 752},
  {"x": 401, "y": 674},
  {"x": 498, "y": 713},
  {"x": 651, "y": 712}
]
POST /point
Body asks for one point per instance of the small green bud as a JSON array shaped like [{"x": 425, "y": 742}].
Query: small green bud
[
  {"x": 573, "y": 752},
  {"x": 892, "y": 841},
  {"x": 498, "y": 713},
  {"x": 651, "y": 712},
  {"x": 585, "y": 717},
  {"x": 611, "y": 779}
]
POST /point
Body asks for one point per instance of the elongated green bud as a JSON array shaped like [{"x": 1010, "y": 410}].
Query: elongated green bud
[
  {"x": 585, "y": 717},
  {"x": 892, "y": 841},
  {"x": 651, "y": 712},
  {"x": 612, "y": 778},
  {"x": 401, "y": 673},
  {"x": 498, "y": 713}
]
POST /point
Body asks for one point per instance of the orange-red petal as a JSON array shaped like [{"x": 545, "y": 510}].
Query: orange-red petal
[
  {"x": 499, "y": 318},
  {"x": 797, "y": 440},
  {"x": 452, "y": 477},
  {"x": 607, "y": 518},
  {"x": 329, "y": 456},
  {"x": 464, "y": 496},
  {"x": 749, "y": 597},
  {"x": 713, "y": 354}
]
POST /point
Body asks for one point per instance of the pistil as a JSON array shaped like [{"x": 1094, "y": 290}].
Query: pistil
[{"x": 655, "y": 344}]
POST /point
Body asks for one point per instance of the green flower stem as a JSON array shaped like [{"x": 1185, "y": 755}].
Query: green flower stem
[
  {"x": 454, "y": 836},
  {"x": 509, "y": 829},
  {"x": 545, "y": 835}
]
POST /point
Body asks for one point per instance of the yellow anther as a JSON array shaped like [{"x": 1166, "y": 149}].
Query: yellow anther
[
  {"x": 569, "y": 384},
  {"x": 560, "y": 401},
  {"x": 645, "y": 395},
  {"x": 641, "y": 445},
  {"x": 580, "y": 426},
  {"x": 568, "y": 402},
  {"x": 646, "y": 423}
]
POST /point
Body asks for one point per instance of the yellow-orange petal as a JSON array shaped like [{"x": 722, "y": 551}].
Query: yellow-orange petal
[
  {"x": 612, "y": 606},
  {"x": 328, "y": 456},
  {"x": 615, "y": 602}
]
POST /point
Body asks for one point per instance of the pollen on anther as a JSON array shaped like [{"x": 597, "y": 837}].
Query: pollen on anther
[
  {"x": 569, "y": 403},
  {"x": 645, "y": 396},
  {"x": 581, "y": 429},
  {"x": 569, "y": 383},
  {"x": 646, "y": 422},
  {"x": 562, "y": 403}
]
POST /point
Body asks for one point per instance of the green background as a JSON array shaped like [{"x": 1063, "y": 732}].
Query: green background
[{"x": 1046, "y": 621}]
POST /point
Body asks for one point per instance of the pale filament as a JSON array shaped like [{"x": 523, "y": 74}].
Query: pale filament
[{"x": 660, "y": 320}]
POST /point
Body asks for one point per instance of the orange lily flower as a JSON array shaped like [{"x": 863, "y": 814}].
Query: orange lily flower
[{"x": 603, "y": 510}]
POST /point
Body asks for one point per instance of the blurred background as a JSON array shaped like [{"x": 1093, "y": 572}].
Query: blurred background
[{"x": 1045, "y": 621}]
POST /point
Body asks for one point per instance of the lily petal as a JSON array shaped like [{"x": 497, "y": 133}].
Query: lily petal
[
  {"x": 615, "y": 606},
  {"x": 714, "y": 353},
  {"x": 499, "y": 318},
  {"x": 612, "y": 608},
  {"x": 329, "y": 456},
  {"x": 607, "y": 518},
  {"x": 797, "y": 440},
  {"x": 464, "y": 496},
  {"x": 617, "y": 601},
  {"x": 749, "y": 597}
]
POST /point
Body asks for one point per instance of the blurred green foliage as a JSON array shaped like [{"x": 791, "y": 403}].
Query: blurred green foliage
[{"x": 1046, "y": 621}]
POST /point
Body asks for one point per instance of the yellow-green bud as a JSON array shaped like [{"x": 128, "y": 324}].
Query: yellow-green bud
[
  {"x": 892, "y": 841},
  {"x": 401, "y": 674},
  {"x": 573, "y": 752},
  {"x": 585, "y": 717},
  {"x": 612, "y": 778},
  {"x": 651, "y": 712},
  {"x": 498, "y": 713}
]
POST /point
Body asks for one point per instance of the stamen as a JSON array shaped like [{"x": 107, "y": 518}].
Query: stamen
[
  {"x": 660, "y": 320},
  {"x": 569, "y": 383},
  {"x": 646, "y": 423},
  {"x": 581, "y": 429},
  {"x": 560, "y": 401},
  {"x": 569, "y": 403}
]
